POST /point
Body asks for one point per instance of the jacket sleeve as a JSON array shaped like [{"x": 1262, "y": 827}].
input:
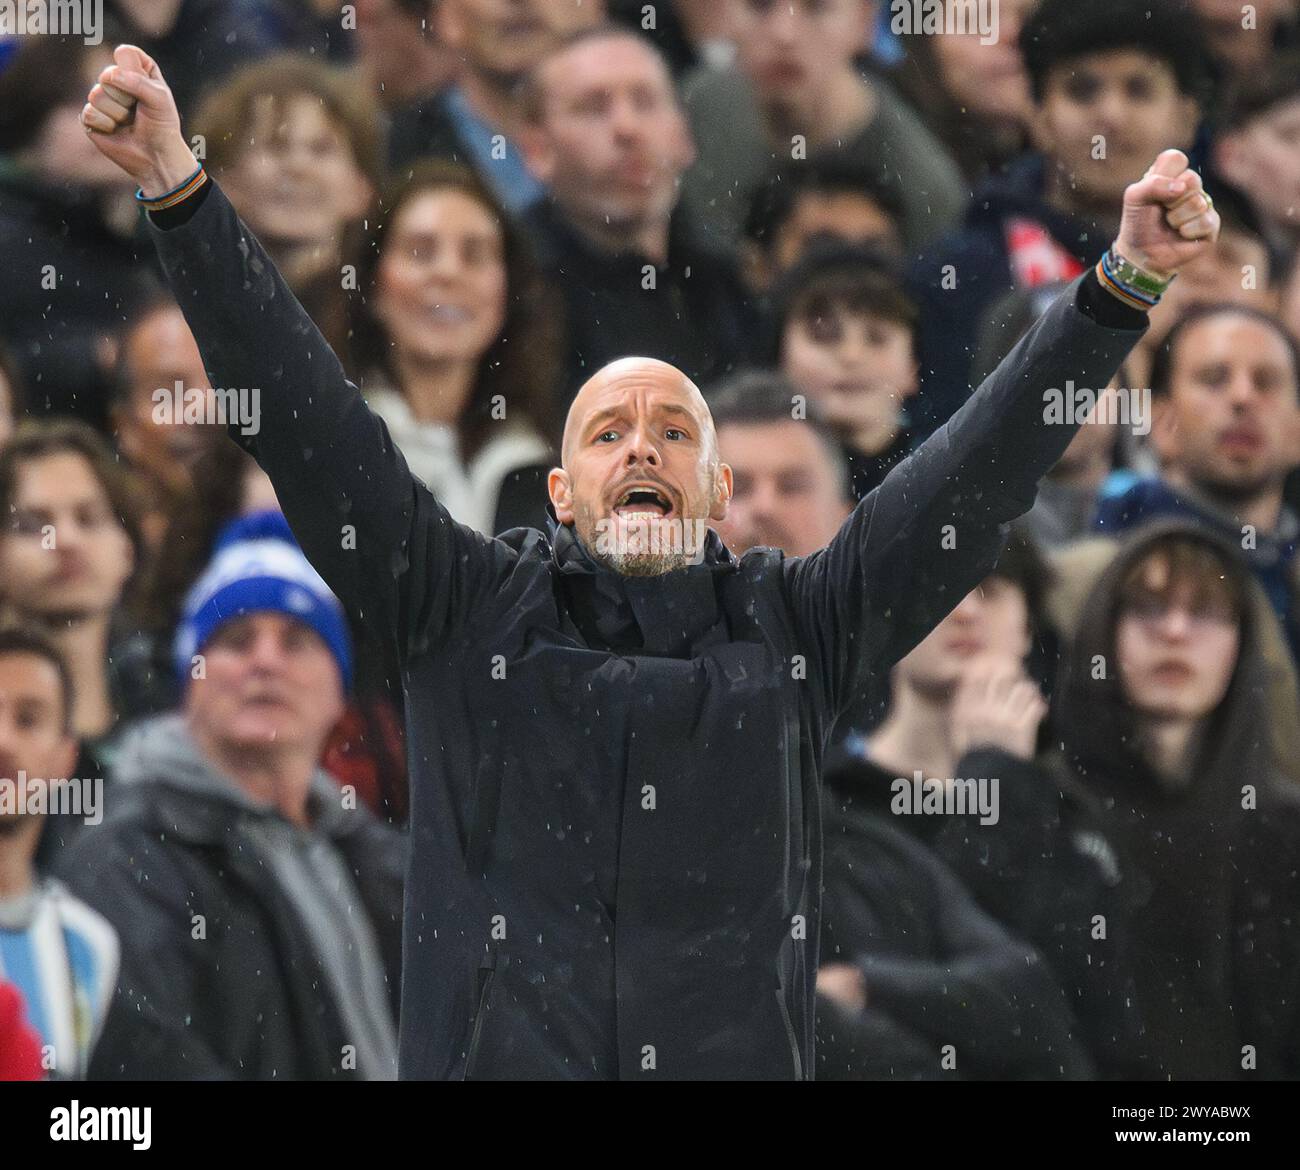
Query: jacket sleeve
[
  {"x": 150, "y": 1032},
  {"x": 387, "y": 548},
  {"x": 913, "y": 548}
]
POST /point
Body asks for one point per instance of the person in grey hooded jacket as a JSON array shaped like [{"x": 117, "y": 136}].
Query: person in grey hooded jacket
[
  {"x": 257, "y": 901},
  {"x": 616, "y": 744}
]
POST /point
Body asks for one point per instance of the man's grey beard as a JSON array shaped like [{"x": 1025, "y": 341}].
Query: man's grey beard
[
  {"x": 651, "y": 562},
  {"x": 642, "y": 564}
]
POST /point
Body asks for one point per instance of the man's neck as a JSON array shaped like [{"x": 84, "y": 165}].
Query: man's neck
[
  {"x": 18, "y": 841},
  {"x": 300, "y": 261},
  {"x": 82, "y": 640},
  {"x": 915, "y": 734},
  {"x": 280, "y": 778},
  {"x": 1074, "y": 201},
  {"x": 648, "y": 238},
  {"x": 838, "y": 111},
  {"x": 436, "y": 391},
  {"x": 875, "y": 438},
  {"x": 1262, "y": 510},
  {"x": 155, "y": 18},
  {"x": 1169, "y": 746}
]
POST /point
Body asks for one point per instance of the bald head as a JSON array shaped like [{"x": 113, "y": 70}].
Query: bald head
[
  {"x": 626, "y": 376},
  {"x": 639, "y": 425}
]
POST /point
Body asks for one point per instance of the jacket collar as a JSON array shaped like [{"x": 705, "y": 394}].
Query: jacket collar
[{"x": 672, "y": 614}]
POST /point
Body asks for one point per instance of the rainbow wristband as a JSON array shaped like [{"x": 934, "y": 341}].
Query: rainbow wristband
[
  {"x": 175, "y": 195},
  {"x": 1125, "y": 280}
]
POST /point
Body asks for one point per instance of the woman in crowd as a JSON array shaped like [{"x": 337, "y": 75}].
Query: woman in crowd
[
  {"x": 974, "y": 97},
  {"x": 297, "y": 146},
  {"x": 454, "y": 343}
]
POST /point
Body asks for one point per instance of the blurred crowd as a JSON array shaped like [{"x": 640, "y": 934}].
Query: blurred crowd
[{"x": 837, "y": 224}]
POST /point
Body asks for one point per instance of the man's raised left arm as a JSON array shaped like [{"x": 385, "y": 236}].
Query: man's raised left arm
[{"x": 932, "y": 531}]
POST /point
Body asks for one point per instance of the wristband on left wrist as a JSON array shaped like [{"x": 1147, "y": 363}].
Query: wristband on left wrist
[{"x": 1133, "y": 285}]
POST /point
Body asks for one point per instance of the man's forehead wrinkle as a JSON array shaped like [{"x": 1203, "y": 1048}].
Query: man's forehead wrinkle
[{"x": 610, "y": 389}]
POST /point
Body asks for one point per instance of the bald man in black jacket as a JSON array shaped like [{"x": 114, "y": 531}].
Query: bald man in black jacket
[{"x": 615, "y": 744}]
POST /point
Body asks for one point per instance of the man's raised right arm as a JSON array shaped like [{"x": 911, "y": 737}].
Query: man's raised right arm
[{"x": 374, "y": 532}]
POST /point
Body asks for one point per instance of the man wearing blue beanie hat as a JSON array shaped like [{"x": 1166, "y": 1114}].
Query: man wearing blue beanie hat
[
  {"x": 222, "y": 811},
  {"x": 257, "y": 567}
]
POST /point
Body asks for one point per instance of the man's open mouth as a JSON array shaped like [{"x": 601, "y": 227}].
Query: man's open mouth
[{"x": 641, "y": 502}]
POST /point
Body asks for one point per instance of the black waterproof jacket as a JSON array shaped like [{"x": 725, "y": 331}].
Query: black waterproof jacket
[{"x": 616, "y": 856}]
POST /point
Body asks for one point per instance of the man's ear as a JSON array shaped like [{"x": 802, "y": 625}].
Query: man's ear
[
  {"x": 448, "y": 26},
  {"x": 67, "y": 755},
  {"x": 755, "y": 267},
  {"x": 684, "y": 142},
  {"x": 560, "y": 488},
  {"x": 869, "y": 13},
  {"x": 1165, "y": 438},
  {"x": 539, "y": 157},
  {"x": 723, "y": 487}
]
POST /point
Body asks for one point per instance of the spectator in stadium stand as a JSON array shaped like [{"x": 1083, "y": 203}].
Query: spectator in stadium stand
[
  {"x": 1113, "y": 81},
  {"x": 20, "y": 1043},
  {"x": 790, "y": 481},
  {"x": 156, "y": 352},
  {"x": 71, "y": 267},
  {"x": 298, "y": 144},
  {"x": 70, "y": 550},
  {"x": 972, "y": 93},
  {"x": 258, "y": 906},
  {"x": 477, "y": 120},
  {"x": 625, "y": 647},
  {"x": 365, "y": 749},
  {"x": 607, "y": 136},
  {"x": 59, "y": 953},
  {"x": 830, "y": 198},
  {"x": 1160, "y": 812},
  {"x": 799, "y": 89},
  {"x": 456, "y": 341},
  {"x": 1257, "y": 149},
  {"x": 1225, "y": 426},
  {"x": 902, "y": 943},
  {"x": 1242, "y": 48},
  {"x": 966, "y": 692},
  {"x": 1237, "y": 270},
  {"x": 399, "y": 51},
  {"x": 843, "y": 331}
]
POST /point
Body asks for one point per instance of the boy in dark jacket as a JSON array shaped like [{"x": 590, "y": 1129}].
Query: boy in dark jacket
[{"x": 1113, "y": 81}]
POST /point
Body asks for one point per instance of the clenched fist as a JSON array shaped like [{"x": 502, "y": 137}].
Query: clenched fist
[
  {"x": 131, "y": 117},
  {"x": 1168, "y": 219}
]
